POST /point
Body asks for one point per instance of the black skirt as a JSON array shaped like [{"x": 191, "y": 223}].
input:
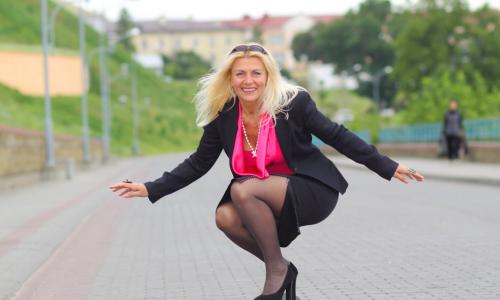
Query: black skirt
[{"x": 308, "y": 201}]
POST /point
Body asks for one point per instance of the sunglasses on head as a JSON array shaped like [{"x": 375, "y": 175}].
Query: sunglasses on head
[{"x": 246, "y": 48}]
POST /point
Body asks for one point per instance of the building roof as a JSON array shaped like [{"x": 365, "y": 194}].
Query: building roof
[
  {"x": 267, "y": 21},
  {"x": 326, "y": 18},
  {"x": 163, "y": 25}
]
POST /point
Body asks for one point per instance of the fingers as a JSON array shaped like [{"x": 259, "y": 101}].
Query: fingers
[
  {"x": 124, "y": 192},
  {"x": 129, "y": 189},
  {"x": 418, "y": 176},
  {"x": 131, "y": 194},
  {"x": 404, "y": 174},
  {"x": 120, "y": 185},
  {"x": 401, "y": 177},
  {"x": 415, "y": 175}
]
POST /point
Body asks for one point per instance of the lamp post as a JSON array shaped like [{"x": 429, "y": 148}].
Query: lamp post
[
  {"x": 135, "y": 111},
  {"x": 84, "y": 75},
  {"x": 51, "y": 38},
  {"x": 376, "y": 83},
  {"x": 105, "y": 81},
  {"x": 49, "y": 137},
  {"x": 128, "y": 70},
  {"x": 52, "y": 23},
  {"x": 104, "y": 89}
]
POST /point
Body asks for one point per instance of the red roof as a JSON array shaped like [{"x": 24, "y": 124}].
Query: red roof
[
  {"x": 267, "y": 21},
  {"x": 326, "y": 18}
]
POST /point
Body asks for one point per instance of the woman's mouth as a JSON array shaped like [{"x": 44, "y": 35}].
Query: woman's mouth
[{"x": 248, "y": 90}]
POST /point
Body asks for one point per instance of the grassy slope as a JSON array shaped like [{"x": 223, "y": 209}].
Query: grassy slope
[
  {"x": 363, "y": 110},
  {"x": 166, "y": 125}
]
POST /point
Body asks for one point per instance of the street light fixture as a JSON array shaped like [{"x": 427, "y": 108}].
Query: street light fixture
[
  {"x": 105, "y": 81},
  {"x": 49, "y": 37}
]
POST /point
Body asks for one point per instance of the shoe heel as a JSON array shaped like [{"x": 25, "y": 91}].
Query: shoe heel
[{"x": 290, "y": 291}]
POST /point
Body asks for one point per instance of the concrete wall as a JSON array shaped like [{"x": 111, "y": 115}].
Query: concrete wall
[
  {"x": 23, "y": 71},
  {"x": 22, "y": 155}
]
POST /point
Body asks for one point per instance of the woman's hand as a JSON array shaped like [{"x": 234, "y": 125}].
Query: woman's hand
[
  {"x": 130, "y": 189},
  {"x": 404, "y": 174}
]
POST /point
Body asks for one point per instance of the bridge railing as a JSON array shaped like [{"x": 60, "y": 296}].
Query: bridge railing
[
  {"x": 475, "y": 130},
  {"x": 482, "y": 130},
  {"x": 363, "y": 134}
]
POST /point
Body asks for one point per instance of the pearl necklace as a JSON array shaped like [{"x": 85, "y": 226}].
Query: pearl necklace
[{"x": 254, "y": 151}]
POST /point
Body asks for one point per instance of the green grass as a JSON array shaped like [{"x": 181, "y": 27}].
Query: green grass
[
  {"x": 168, "y": 124},
  {"x": 365, "y": 116}
]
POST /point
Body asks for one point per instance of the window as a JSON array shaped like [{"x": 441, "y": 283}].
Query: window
[
  {"x": 161, "y": 44},
  {"x": 144, "y": 44},
  {"x": 177, "y": 43},
  {"x": 276, "y": 40},
  {"x": 194, "y": 43}
]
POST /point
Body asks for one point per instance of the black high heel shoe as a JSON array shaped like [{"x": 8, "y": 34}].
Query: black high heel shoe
[
  {"x": 294, "y": 269},
  {"x": 288, "y": 286}
]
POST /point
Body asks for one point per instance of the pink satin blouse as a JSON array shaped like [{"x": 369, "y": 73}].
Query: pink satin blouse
[{"x": 269, "y": 160}]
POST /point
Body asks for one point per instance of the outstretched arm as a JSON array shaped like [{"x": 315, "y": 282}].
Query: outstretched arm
[
  {"x": 192, "y": 168},
  {"x": 343, "y": 140}
]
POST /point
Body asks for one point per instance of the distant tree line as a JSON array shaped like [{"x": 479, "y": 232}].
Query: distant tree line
[{"x": 424, "y": 55}]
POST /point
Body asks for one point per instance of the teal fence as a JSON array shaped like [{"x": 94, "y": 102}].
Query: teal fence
[
  {"x": 475, "y": 130},
  {"x": 364, "y": 135}
]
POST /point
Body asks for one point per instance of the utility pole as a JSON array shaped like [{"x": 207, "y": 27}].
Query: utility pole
[
  {"x": 135, "y": 111},
  {"x": 85, "y": 115},
  {"x": 104, "y": 87},
  {"x": 49, "y": 137}
]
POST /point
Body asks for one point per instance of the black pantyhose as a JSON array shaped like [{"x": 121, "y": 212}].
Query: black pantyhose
[{"x": 258, "y": 204}]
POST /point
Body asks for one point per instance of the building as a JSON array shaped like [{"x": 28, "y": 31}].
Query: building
[{"x": 212, "y": 40}]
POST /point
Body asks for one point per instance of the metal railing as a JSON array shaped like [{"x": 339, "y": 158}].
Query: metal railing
[
  {"x": 364, "y": 135},
  {"x": 475, "y": 130}
]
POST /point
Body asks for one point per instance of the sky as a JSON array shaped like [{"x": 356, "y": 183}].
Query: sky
[{"x": 224, "y": 9}]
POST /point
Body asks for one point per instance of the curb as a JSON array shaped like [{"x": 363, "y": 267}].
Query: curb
[{"x": 430, "y": 175}]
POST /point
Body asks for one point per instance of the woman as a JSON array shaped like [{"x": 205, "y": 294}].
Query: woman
[{"x": 281, "y": 181}]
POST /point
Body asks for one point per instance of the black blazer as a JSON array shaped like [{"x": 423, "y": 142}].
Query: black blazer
[{"x": 293, "y": 129}]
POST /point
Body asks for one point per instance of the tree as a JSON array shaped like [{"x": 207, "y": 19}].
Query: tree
[
  {"x": 257, "y": 34},
  {"x": 430, "y": 102},
  {"x": 446, "y": 37},
  {"x": 125, "y": 24},
  {"x": 185, "y": 65},
  {"x": 358, "y": 45}
]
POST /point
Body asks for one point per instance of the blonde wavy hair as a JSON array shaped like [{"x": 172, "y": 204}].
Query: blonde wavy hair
[{"x": 214, "y": 89}]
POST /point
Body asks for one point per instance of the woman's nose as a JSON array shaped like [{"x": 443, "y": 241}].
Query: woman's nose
[{"x": 247, "y": 78}]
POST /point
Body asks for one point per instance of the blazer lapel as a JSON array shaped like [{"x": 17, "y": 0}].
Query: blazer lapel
[
  {"x": 284, "y": 138},
  {"x": 231, "y": 126}
]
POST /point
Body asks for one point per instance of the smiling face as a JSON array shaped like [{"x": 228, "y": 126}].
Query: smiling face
[
  {"x": 453, "y": 105},
  {"x": 248, "y": 78}
]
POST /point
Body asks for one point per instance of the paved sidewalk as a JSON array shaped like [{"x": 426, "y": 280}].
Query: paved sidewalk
[
  {"x": 76, "y": 240},
  {"x": 458, "y": 170}
]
